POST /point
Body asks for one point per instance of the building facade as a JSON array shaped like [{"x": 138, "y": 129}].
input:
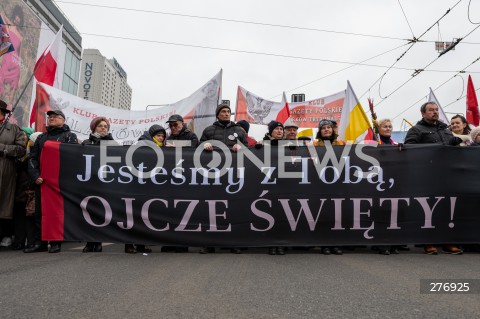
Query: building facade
[
  {"x": 53, "y": 17},
  {"x": 32, "y": 27},
  {"x": 104, "y": 81}
]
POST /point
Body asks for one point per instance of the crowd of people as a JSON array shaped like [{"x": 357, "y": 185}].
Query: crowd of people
[{"x": 21, "y": 177}]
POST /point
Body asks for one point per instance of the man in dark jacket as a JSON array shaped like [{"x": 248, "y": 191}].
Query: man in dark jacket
[
  {"x": 429, "y": 130},
  {"x": 224, "y": 130},
  {"x": 57, "y": 130},
  {"x": 180, "y": 132},
  {"x": 229, "y": 133}
]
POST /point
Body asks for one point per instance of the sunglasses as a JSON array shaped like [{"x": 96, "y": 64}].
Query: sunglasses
[{"x": 173, "y": 124}]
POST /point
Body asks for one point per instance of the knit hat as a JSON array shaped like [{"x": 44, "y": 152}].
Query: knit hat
[
  {"x": 155, "y": 129},
  {"x": 28, "y": 130},
  {"x": 96, "y": 121},
  {"x": 244, "y": 124},
  {"x": 273, "y": 125},
  {"x": 474, "y": 133},
  {"x": 326, "y": 122},
  {"x": 33, "y": 137},
  {"x": 221, "y": 107}
]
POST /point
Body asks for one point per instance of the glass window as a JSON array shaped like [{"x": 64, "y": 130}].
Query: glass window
[{"x": 68, "y": 62}]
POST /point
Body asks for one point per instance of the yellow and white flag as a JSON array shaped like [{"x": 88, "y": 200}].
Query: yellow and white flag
[{"x": 354, "y": 125}]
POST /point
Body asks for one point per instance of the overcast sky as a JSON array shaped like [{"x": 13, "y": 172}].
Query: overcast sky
[{"x": 163, "y": 73}]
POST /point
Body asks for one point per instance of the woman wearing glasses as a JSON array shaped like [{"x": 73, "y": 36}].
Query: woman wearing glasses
[{"x": 100, "y": 128}]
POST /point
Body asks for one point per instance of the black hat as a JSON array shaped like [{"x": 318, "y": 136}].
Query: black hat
[
  {"x": 273, "y": 125},
  {"x": 155, "y": 129},
  {"x": 221, "y": 107},
  {"x": 244, "y": 124},
  {"x": 3, "y": 107},
  {"x": 175, "y": 118},
  {"x": 57, "y": 112}
]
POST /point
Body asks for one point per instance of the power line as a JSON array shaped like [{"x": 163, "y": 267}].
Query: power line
[
  {"x": 341, "y": 70},
  {"x": 415, "y": 40},
  {"x": 417, "y": 72},
  {"x": 232, "y": 20},
  {"x": 245, "y": 51},
  {"x": 438, "y": 87},
  {"x": 460, "y": 98},
  {"x": 413, "y": 35},
  {"x": 468, "y": 13},
  {"x": 247, "y": 22}
]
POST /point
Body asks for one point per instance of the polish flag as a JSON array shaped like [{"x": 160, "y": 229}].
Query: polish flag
[
  {"x": 284, "y": 113},
  {"x": 45, "y": 71},
  {"x": 473, "y": 116}
]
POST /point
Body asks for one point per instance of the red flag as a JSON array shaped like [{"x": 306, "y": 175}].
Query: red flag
[
  {"x": 473, "y": 116},
  {"x": 46, "y": 69},
  {"x": 284, "y": 113}
]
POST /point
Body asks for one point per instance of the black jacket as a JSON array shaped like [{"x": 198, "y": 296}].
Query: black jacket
[
  {"x": 61, "y": 134},
  {"x": 185, "y": 135},
  {"x": 424, "y": 133},
  {"x": 229, "y": 134},
  {"x": 92, "y": 140}
]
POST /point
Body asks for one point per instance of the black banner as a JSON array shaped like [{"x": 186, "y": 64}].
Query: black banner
[{"x": 274, "y": 196}]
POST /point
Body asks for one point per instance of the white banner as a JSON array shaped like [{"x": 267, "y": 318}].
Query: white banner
[
  {"x": 308, "y": 114},
  {"x": 126, "y": 126}
]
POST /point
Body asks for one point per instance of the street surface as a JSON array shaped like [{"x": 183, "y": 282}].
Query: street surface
[{"x": 301, "y": 284}]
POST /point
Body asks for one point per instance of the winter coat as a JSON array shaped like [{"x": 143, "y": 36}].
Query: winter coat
[
  {"x": 185, "y": 135},
  {"x": 424, "y": 133},
  {"x": 229, "y": 134},
  {"x": 54, "y": 133},
  {"x": 93, "y": 140},
  {"x": 12, "y": 146}
]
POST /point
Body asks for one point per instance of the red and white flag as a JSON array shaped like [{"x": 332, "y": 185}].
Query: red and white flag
[
  {"x": 45, "y": 72},
  {"x": 284, "y": 113},
  {"x": 473, "y": 116}
]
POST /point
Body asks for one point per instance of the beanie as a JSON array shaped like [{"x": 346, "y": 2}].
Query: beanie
[
  {"x": 96, "y": 121},
  {"x": 474, "y": 133},
  {"x": 244, "y": 124},
  {"x": 221, "y": 107},
  {"x": 33, "y": 137},
  {"x": 155, "y": 129},
  {"x": 273, "y": 125},
  {"x": 326, "y": 122}
]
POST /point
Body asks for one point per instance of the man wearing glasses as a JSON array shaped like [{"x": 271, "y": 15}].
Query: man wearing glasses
[
  {"x": 57, "y": 130},
  {"x": 180, "y": 132}
]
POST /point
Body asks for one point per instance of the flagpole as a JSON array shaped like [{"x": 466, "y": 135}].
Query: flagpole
[{"x": 7, "y": 118}]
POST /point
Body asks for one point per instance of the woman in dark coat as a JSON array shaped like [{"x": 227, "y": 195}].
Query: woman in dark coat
[
  {"x": 100, "y": 128},
  {"x": 23, "y": 219},
  {"x": 326, "y": 132},
  {"x": 275, "y": 134}
]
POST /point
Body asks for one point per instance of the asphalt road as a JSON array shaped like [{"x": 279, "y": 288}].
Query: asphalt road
[{"x": 111, "y": 284}]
